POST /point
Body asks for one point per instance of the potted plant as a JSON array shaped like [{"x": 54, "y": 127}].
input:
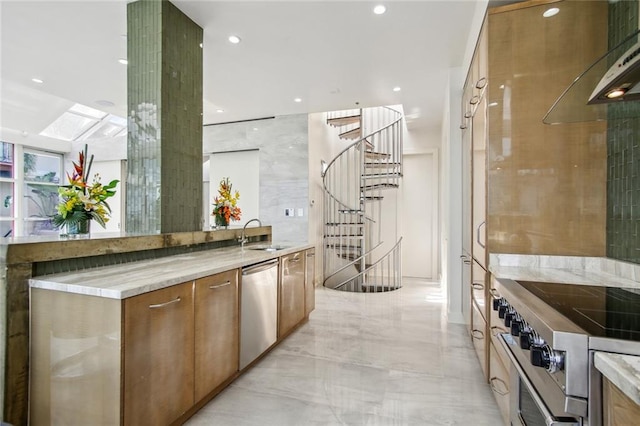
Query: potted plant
[
  {"x": 81, "y": 201},
  {"x": 225, "y": 205}
]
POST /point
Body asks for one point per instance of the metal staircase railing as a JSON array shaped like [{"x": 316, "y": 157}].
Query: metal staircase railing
[{"x": 355, "y": 182}]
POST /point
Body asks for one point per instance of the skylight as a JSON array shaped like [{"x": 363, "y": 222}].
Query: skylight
[{"x": 83, "y": 123}]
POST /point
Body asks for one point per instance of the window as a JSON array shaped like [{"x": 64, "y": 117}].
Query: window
[
  {"x": 42, "y": 176},
  {"x": 81, "y": 123},
  {"x": 7, "y": 183}
]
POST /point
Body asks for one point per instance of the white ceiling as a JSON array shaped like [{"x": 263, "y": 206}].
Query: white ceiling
[{"x": 331, "y": 54}]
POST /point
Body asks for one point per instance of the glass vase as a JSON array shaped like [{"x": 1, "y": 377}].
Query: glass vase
[
  {"x": 221, "y": 222},
  {"x": 79, "y": 229}
]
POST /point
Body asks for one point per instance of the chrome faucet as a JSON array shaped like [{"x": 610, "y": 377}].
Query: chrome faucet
[{"x": 243, "y": 238}]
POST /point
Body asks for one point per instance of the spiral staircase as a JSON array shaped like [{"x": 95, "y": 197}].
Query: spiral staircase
[{"x": 362, "y": 250}]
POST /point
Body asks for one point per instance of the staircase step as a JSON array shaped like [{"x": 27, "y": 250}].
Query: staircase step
[
  {"x": 358, "y": 236},
  {"x": 359, "y": 268},
  {"x": 352, "y": 256},
  {"x": 381, "y": 175},
  {"x": 381, "y": 165},
  {"x": 343, "y": 121},
  {"x": 344, "y": 224},
  {"x": 373, "y": 198},
  {"x": 381, "y": 186},
  {"x": 351, "y": 211},
  {"x": 376, "y": 155},
  {"x": 351, "y": 134},
  {"x": 369, "y": 145},
  {"x": 376, "y": 288},
  {"x": 344, "y": 247}
]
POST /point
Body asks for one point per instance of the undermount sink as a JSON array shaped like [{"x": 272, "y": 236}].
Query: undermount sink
[{"x": 267, "y": 248}]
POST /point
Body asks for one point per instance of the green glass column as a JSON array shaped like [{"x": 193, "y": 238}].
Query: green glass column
[{"x": 164, "y": 146}]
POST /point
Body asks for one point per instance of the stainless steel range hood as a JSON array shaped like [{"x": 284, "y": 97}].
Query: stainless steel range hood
[{"x": 613, "y": 78}]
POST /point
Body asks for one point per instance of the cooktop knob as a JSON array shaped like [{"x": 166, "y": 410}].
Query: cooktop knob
[
  {"x": 525, "y": 339},
  {"x": 539, "y": 356},
  {"x": 497, "y": 303},
  {"x": 508, "y": 317},
  {"x": 516, "y": 327},
  {"x": 502, "y": 310},
  {"x": 547, "y": 358}
]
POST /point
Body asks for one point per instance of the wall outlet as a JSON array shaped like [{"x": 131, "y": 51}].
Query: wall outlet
[{"x": 289, "y": 212}]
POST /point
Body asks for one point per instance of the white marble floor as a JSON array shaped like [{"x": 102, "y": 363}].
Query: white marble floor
[{"x": 364, "y": 359}]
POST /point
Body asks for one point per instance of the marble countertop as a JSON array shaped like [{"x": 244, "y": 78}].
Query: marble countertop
[
  {"x": 622, "y": 370},
  {"x": 565, "y": 269},
  {"x": 131, "y": 279}
]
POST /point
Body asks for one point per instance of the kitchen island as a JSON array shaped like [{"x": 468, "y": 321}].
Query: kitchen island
[
  {"x": 27, "y": 257},
  {"x": 154, "y": 340}
]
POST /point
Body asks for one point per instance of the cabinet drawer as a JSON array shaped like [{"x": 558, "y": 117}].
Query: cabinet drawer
[
  {"x": 479, "y": 337},
  {"x": 479, "y": 288},
  {"x": 499, "y": 382}
]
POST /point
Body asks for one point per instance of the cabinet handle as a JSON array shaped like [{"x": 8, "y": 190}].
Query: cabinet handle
[
  {"x": 477, "y": 334},
  {"x": 463, "y": 126},
  {"x": 311, "y": 255},
  {"x": 466, "y": 262},
  {"x": 213, "y": 287},
  {"x": 481, "y": 83},
  {"x": 494, "y": 380},
  {"x": 495, "y": 330},
  {"x": 477, "y": 286},
  {"x": 494, "y": 293},
  {"x": 468, "y": 114},
  {"x": 478, "y": 233},
  {"x": 474, "y": 100},
  {"x": 162, "y": 305},
  {"x": 295, "y": 259}
]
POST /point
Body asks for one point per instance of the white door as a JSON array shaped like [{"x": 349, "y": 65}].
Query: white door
[{"x": 419, "y": 215}]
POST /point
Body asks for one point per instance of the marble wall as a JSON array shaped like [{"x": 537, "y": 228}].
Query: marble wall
[{"x": 283, "y": 144}]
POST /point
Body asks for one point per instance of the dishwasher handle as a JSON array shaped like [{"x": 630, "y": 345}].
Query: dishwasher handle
[{"x": 259, "y": 267}]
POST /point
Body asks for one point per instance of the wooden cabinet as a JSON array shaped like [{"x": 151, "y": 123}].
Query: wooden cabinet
[
  {"x": 618, "y": 408},
  {"x": 158, "y": 352},
  {"x": 499, "y": 381},
  {"x": 479, "y": 337},
  {"x": 310, "y": 282},
  {"x": 291, "y": 309},
  {"x": 216, "y": 331}
]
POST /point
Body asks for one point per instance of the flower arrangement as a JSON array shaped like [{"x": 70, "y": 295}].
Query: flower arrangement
[
  {"x": 225, "y": 205},
  {"x": 80, "y": 201}
]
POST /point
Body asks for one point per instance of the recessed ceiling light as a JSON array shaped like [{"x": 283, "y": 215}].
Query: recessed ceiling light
[
  {"x": 234, "y": 39},
  {"x": 219, "y": 110},
  {"x": 397, "y": 89},
  {"x": 551, "y": 12},
  {"x": 297, "y": 100},
  {"x": 123, "y": 61},
  {"x": 379, "y": 9},
  {"x": 105, "y": 103},
  {"x": 37, "y": 80}
]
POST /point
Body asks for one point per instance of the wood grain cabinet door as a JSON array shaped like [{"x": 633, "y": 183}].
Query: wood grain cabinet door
[
  {"x": 158, "y": 355},
  {"x": 216, "y": 331},
  {"x": 292, "y": 301}
]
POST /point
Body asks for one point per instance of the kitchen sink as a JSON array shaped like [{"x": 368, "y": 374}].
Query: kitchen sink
[{"x": 267, "y": 248}]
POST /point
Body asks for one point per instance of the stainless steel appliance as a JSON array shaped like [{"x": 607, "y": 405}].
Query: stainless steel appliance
[
  {"x": 258, "y": 310},
  {"x": 553, "y": 331}
]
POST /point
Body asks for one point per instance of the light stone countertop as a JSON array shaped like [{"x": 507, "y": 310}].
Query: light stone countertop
[
  {"x": 597, "y": 271},
  {"x": 131, "y": 279},
  {"x": 622, "y": 370}
]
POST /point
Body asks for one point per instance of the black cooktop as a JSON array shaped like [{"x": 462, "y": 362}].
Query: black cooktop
[{"x": 601, "y": 311}]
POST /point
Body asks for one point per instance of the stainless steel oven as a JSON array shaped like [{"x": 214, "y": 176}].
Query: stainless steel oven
[{"x": 553, "y": 330}]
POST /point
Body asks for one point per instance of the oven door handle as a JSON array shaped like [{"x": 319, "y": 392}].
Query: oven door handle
[{"x": 549, "y": 419}]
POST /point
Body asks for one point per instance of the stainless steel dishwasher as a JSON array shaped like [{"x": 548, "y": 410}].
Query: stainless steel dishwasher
[{"x": 258, "y": 310}]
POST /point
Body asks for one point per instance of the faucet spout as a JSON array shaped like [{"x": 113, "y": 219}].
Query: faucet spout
[{"x": 243, "y": 238}]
